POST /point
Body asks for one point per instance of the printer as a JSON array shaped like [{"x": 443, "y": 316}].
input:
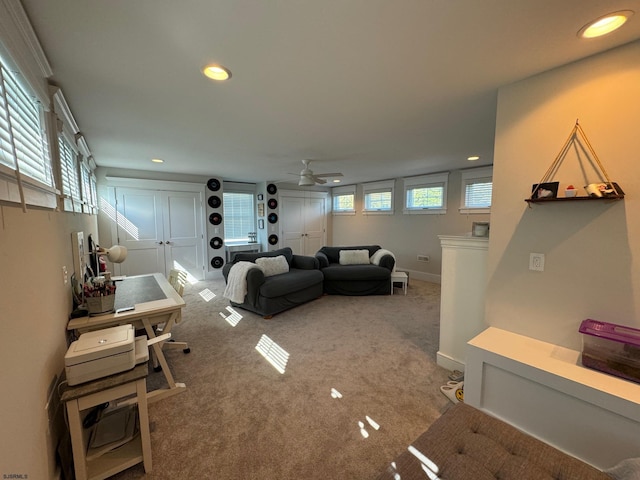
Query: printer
[{"x": 104, "y": 352}]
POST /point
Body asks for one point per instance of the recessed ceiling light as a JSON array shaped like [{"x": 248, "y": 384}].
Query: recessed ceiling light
[
  {"x": 336, "y": 180},
  {"x": 473, "y": 158},
  {"x": 605, "y": 24},
  {"x": 157, "y": 160},
  {"x": 216, "y": 72}
]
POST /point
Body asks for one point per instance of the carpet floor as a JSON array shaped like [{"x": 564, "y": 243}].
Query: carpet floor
[{"x": 360, "y": 382}]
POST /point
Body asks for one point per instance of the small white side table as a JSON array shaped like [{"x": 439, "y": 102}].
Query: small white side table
[{"x": 399, "y": 277}]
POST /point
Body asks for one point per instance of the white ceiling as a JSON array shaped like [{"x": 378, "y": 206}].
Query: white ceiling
[{"x": 375, "y": 89}]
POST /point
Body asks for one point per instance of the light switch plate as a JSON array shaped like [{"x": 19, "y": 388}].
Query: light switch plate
[{"x": 536, "y": 262}]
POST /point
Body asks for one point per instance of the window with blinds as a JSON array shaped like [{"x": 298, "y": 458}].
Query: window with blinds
[
  {"x": 378, "y": 197},
  {"x": 23, "y": 140},
  {"x": 239, "y": 216},
  {"x": 477, "y": 190},
  {"x": 69, "y": 173},
  {"x": 426, "y": 194},
  {"x": 343, "y": 200}
]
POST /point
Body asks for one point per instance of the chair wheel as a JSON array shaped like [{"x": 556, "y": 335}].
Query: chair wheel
[
  {"x": 158, "y": 368},
  {"x": 187, "y": 350}
]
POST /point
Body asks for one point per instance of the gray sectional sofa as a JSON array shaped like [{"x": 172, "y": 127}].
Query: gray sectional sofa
[
  {"x": 267, "y": 296},
  {"x": 362, "y": 279}
]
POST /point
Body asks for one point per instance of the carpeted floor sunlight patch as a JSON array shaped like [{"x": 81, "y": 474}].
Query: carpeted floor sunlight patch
[{"x": 273, "y": 353}]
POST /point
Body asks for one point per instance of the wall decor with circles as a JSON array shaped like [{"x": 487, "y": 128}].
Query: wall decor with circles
[
  {"x": 215, "y": 223},
  {"x": 273, "y": 228}
]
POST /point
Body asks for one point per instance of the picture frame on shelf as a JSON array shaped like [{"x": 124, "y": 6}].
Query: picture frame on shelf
[
  {"x": 545, "y": 190},
  {"x": 261, "y": 224},
  {"x": 261, "y": 209}
]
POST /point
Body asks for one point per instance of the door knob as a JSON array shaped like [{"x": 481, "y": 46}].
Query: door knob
[
  {"x": 168, "y": 243},
  {"x": 159, "y": 243}
]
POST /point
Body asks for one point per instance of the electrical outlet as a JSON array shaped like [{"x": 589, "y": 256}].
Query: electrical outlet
[
  {"x": 65, "y": 274},
  {"x": 423, "y": 258},
  {"x": 536, "y": 262}
]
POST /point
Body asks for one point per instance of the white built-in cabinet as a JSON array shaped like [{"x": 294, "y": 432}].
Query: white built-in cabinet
[
  {"x": 303, "y": 221},
  {"x": 162, "y": 227},
  {"x": 462, "y": 296}
]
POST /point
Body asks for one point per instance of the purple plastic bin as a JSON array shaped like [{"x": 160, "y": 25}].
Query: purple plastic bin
[{"x": 611, "y": 348}]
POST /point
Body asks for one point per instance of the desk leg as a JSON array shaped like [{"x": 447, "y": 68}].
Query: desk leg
[
  {"x": 143, "y": 413},
  {"x": 77, "y": 439},
  {"x": 157, "y": 349}
]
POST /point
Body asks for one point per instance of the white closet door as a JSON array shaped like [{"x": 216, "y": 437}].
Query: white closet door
[
  {"x": 183, "y": 232},
  {"x": 140, "y": 229},
  {"x": 314, "y": 230},
  {"x": 292, "y": 215},
  {"x": 161, "y": 230}
]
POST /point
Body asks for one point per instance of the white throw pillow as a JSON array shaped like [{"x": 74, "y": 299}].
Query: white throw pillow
[
  {"x": 273, "y": 265},
  {"x": 354, "y": 257}
]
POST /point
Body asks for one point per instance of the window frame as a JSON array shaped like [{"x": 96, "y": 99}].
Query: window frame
[
  {"x": 378, "y": 187},
  {"x": 469, "y": 177},
  {"x": 343, "y": 191},
  {"x": 427, "y": 181}
]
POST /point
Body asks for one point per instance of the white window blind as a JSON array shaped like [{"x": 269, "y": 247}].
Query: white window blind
[
  {"x": 239, "y": 216},
  {"x": 476, "y": 190},
  {"x": 22, "y": 134},
  {"x": 85, "y": 183},
  {"x": 69, "y": 169},
  {"x": 478, "y": 194}
]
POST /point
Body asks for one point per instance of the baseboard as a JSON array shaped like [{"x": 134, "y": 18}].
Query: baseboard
[
  {"x": 425, "y": 277},
  {"x": 449, "y": 363}
]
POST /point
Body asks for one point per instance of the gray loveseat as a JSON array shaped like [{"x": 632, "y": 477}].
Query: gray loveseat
[
  {"x": 274, "y": 294},
  {"x": 364, "y": 279}
]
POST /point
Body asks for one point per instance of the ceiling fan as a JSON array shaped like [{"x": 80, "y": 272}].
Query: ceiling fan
[{"x": 308, "y": 178}]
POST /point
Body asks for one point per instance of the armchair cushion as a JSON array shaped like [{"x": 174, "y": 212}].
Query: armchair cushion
[
  {"x": 354, "y": 257},
  {"x": 273, "y": 265}
]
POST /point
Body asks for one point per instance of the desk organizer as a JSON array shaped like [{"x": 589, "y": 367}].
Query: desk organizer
[
  {"x": 104, "y": 304},
  {"x": 611, "y": 348}
]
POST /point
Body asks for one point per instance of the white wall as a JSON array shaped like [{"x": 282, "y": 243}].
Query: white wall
[
  {"x": 407, "y": 236},
  {"x": 592, "y": 266},
  {"x": 34, "y": 309}
]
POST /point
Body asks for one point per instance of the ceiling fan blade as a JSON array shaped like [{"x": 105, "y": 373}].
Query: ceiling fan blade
[
  {"x": 319, "y": 180},
  {"x": 335, "y": 174}
]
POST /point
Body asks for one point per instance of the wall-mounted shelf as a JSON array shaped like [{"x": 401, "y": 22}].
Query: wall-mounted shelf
[
  {"x": 572, "y": 199},
  {"x": 603, "y": 190}
]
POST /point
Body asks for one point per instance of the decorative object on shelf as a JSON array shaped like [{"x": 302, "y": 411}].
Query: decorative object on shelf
[
  {"x": 546, "y": 190},
  {"x": 480, "y": 229},
  {"x": 260, "y": 197},
  {"x": 214, "y": 201},
  {"x": 272, "y": 189},
  {"x": 272, "y": 203},
  {"x": 261, "y": 209},
  {"x": 253, "y": 237},
  {"x": 216, "y": 242},
  {"x": 215, "y": 218},
  {"x": 273, "y": 239},
  {"x": 213, "y": 184},
  {"x": 217, "y": 262},
  {"x": 570, "y": 191},
  {"x": 273, "y": 218},
  {"x": 260, "y": 223}
]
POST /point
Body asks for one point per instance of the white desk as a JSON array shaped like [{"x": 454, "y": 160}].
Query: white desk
[{"x": 167, "y": 309}]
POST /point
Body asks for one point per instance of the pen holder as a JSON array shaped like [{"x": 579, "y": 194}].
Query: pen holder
[{"x": 104, "y": 304}]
